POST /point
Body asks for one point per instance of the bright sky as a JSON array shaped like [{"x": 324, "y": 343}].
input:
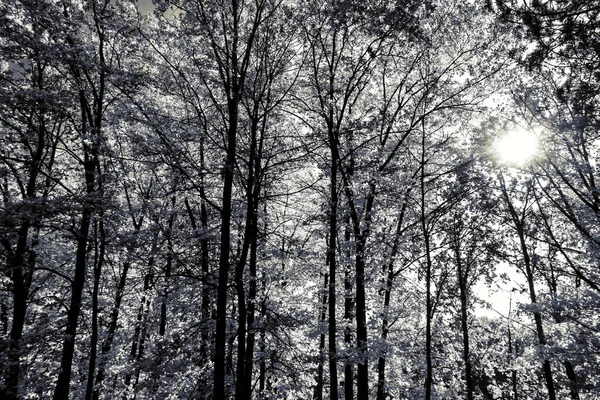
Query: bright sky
[{"x": 516, "y": 146}]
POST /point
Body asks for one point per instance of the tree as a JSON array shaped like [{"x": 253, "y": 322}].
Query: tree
[{"x": 33, "y": 121}]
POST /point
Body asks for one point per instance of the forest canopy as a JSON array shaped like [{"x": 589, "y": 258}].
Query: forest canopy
[{"x": 282, "y": 199}]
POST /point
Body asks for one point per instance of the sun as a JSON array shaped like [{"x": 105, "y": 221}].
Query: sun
[{"x": 517, "y": 146}]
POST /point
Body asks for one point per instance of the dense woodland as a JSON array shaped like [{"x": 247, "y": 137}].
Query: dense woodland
[{"x": 299, "y": 199}]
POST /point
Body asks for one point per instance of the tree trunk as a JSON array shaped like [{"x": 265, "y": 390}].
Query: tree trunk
[
  {"x": 348, "y": 317},
  {"x": 169, "y": 265},
  {"x": 333, "y": 376},
  {"x": 20, "y": 277},
  {"x": 112, "y": 328},
  {"x": 139, "y": 335},
  {"x": 251, "y": 331},
  {"x": 362, "y": 376},
  {"x": 318, "y": 392},
  {"x": 464, "y": 321},
  {"x": 519, "y": 223},
  {"x": 61, "y": 391},
  {"x": 389, "y": 270},
  {"x": 263, "y": 366},
  {"x": 99, "y": 250},
  {"x": 381, "y": 392},
  {"x": 428, "y": 265},
  {"x": 13, "y": 368}
]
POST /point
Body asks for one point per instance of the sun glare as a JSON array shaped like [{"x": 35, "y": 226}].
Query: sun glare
[{"x": 517, "y": 146}]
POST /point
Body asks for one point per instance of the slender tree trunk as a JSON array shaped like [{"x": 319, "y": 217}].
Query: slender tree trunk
[
  {"x": 263, "y": 365},
  {"x": 464, "y": 320},
  {"x": 389, "y": 270},
  {"x": 333, "y": 373},
  {"x": 204, "y": 263},
  {"x": 139, "y": 335},
  {"x": 537, "y": 316},
  {"x": 529, "y": 274},
  {"x": 318, "y": 392},
  {"x": 348, "y": 317},
  {"x": 13, "y": 368},
  {"x": 429, "y": 316},
  {"x": 18, "y": 273},
  {"x": 99, "y": 249},
  {"x": 428, "y": 265},
  {"x": 112, "y": 328},
  {"x": 91, "y": 124},
  {"x": 168, "y": 267},
  {"x": 381, "y": 392},
  {"x": 362, "y": 376},
  {"x": 162, "y": 327},
  {"x": 61, "y": 391},
  {"x": 221, "y": 326},
  {"x": 570, "y": 371},
  {"x": 512, "y": 351},
  {"x": 251, "y": 331},
  {"x": 241, "y": 337}
]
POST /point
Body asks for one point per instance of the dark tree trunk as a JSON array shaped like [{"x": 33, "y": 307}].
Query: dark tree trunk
[
  {"x": 362, "y": 376},
  {"x": 348, "y": 317},
  {"x": 251, "y": 331},
  {"x": 139, "y": 335},
  {"x": 464, "y": 321},
  {"x": 13, "y": 368},
  {"x": 263, "y": 365},
  {"x": 20, "y": 276},
  {"x": 99, "y": 249},
  {"x": 112, "y": 328},
  {"x": 429, "y": 316},
  {"x": 162, "y": 326},
  {"x": 318, "y": 392},
  {"x": 333, "y": 373},
  {"x": 519, "y": 225},
  {"x": 572, "y": 380},
  {"x": 61, "y": 391},
  {"x": 92, "y": 113},
  {"x": 389, "y": 271},
  {"x": 513, "y": 350},
  {"x": 428, "y": 266},
  {"x": 250, "y": 239},
  {"x": 163, "y": 306},
  {"x": 381, "y": 392},
  {"x": 204, "y": 263}
]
